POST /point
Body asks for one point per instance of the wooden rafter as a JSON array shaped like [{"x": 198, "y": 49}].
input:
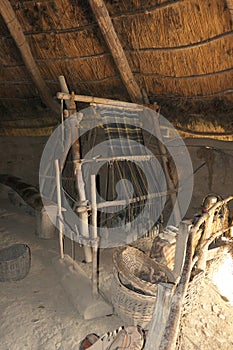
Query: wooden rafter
[
  {"x": 113, "y": 42},
  {"x": 16, "y": 32},
  {"x": 230, "y": 7}
]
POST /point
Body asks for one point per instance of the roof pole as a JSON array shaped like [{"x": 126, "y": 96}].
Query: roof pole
[
  {"x": 117, "y": 52},
  {"x": 17, "y": 34}
]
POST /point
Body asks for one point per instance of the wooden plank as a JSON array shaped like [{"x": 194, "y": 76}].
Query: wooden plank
[
  {"x": 180, "y": 252},
  {"x": 59, "y": 208},
  {"x": 160, "y": 315},
  {"x": 16, "y": 31},
  {"x": 171, "y": 332},
  {"x": 98, "y": 100}
]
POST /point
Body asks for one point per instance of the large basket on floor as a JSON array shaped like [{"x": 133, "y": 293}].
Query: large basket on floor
[
  {"x": 131, "y": 264},
  {"x": 15, "y": 262},
  {"x": 132, "y": 307}
]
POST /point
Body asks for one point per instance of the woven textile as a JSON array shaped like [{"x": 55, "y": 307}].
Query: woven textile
[{"x": 123, "y": 131}]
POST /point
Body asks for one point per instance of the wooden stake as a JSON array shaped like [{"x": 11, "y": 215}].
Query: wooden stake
[
  {"x": 181, "y": 244},
  {"x": 160, "y": 315},
  {"x": 16, "y": 31},
  {"x": 59, "y": 208},
  {"x": 94, "y": 236},
  {"x": 76, "y": 155}
]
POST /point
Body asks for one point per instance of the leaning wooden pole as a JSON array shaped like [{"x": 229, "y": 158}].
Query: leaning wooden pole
[
  {"x": 117, "y": 52},
  {"x": 59, "y": 208},
  {"x": 17, "y": 34},
  {"x": 94, "y": 237}
]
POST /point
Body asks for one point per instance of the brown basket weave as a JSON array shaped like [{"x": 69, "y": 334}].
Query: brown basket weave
[
  {"x": 15, "y": 262},
  {"x": 132, "y": 307},
  {"x": 131, "y": 264}
]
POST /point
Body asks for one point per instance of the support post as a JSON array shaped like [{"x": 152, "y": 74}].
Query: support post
[
  {"x": 59, "y": 209},
  {"x": 80, "y": 186},
  {"x": 94, "y": 236},
  {"x": 76, "y": 155},
  {"x": 168, "y": 175}
]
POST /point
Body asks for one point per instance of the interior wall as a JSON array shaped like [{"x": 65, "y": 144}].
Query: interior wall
[
  {"x": 213, "y": 169},
  {"x": 20, "y": 156}
]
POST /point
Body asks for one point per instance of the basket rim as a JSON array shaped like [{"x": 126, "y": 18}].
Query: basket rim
[
  {"x": 26, "y": 250},
  {"x": 130, "y": 291},
  {"x": 138, "y": 283}
]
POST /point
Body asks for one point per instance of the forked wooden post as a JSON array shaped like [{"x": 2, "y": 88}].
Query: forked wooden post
[
  {"x": 59, "y": 208},
  {"x": 94, "y": 236}
]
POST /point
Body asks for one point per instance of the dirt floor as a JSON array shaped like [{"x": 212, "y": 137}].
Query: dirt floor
[{"x": 36, "y": 312}]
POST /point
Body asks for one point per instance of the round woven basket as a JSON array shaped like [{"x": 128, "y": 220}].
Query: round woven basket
[
  {"x": 132, "y": 307},
  {"x": 132, "y": 265},
  {"x": 14, "y": 262}
]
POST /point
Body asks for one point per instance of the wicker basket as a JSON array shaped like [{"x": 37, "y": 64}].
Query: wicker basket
[
  {"x": 132, "y": 307},
  {"x": 14, "y": 262},
  {"x": 131, "y": 264}
]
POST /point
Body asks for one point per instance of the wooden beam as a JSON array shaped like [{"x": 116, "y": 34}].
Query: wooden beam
[
  {"x": 16, "y": 32},
  {"x": 114, "y": 45},
  {"x": 98, "y": 100},
  {"x": 230, "y": 7},
  {"x": 160, "y": 315}
]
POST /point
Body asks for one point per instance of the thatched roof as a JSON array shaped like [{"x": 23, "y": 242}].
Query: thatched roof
[{"x": 179, "y": 51}]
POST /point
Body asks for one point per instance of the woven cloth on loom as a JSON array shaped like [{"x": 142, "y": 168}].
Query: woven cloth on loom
[{"x": 123, "y": 131}]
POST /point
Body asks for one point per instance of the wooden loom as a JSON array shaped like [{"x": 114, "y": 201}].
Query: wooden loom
[{"x": 70, "y": 100}]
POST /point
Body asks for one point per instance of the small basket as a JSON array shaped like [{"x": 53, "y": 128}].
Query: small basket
[
  {"x": 15, "y": 262},
  {"x": 132, "y": 307},
  {"x": 131, "y": 264}
]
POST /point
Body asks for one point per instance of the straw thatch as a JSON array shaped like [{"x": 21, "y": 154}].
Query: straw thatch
[{"x": 177, "y": 51}]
